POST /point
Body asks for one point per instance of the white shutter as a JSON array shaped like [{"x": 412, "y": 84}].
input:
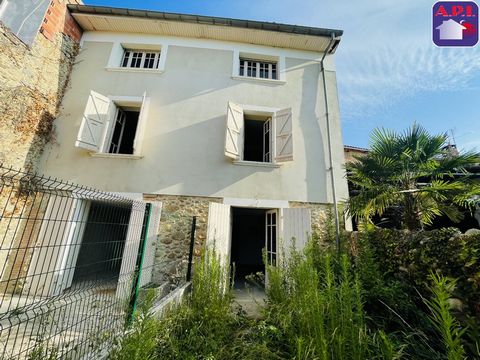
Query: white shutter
[
  {"x": 151, "y": 243},
  {"x": 55, "y": 223},
  {"x": 234, "y": 133},
  {"x": 95, "y": 118},
  {"x": 295, "y": 227},
  {"x": 142, "y": 117},
  {"x": 283, "y": 135},
  {"x": 219, "y": 230},
  {"x": 71, "y": 244},
  {"x": 130, "y": 250}
]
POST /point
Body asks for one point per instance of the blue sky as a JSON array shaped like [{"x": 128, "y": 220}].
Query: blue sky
[{"x": 389, "y": 72}]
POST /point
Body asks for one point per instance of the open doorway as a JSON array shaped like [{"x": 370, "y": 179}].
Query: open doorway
[
  {"x": 103, "y": 241},
  {"x": 249, "y": 230}
]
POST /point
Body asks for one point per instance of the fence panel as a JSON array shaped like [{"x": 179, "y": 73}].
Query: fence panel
[{"x": 68, "y": 258}]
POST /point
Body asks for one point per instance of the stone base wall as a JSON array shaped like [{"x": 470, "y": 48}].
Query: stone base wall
[{"x": 171, "y": 257}]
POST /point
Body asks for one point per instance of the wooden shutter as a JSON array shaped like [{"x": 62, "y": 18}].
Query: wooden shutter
[
  {"x": 151, "y": 243},
  {"x": 130, "y": 250},
  {"x": 55, "y": 225},
  {"x": 219, "y": 230},
  {"x": 234, "y": 133},
  {"x": 283, "y": 135},
  {"x": 71, "y": 246},
  {"x": 94, "y": 122},
  {"x": 295, "y": 229},
  {"x": 142, "y": 117}
]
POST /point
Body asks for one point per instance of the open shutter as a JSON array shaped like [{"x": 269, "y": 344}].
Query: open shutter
[
  {"x": 151, "y": 243},
  {"x": 137, "y": 141},
  {"x": 130, "y": 250},
  {"x": 234, "y": 133},
  {"x": 95, "y": 117},
  {"x": 71, "y": 244},
  {"x": 219, "y": 230},
  {"x": 295, "y": 229},
  {"x": 283, "y": 135}
]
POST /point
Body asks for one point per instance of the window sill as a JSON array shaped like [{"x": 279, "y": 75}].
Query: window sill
[
  {"x": 255, "y": 163},
  {"x": 260, "y": 80},
  {"x": 117, "y": 156},
  {"x": 134, "y": 70}
]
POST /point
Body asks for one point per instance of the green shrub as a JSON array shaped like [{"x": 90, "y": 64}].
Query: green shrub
[
  {"x": 201, "y": 327},
  {"x": 140, "y": 341}
]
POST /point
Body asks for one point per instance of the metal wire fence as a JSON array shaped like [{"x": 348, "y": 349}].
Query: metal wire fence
[{"x": 72, "y": 262}]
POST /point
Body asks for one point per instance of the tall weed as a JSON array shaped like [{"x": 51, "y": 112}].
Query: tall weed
[{"x": 442, "y": 319}]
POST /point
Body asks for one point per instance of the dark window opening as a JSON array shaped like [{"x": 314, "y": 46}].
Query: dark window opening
[
  {"x": 103, "y": 241},
  {"x": 257, "y": 140},
  {"x": 124, "y": 131},
  {"x": 248, "y": 242}
]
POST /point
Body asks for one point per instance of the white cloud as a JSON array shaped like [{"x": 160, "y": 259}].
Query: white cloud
[{"x": 388, "y": 57}]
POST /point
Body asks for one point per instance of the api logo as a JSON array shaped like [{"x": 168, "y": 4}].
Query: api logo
[{"x": 455, "y": 23}]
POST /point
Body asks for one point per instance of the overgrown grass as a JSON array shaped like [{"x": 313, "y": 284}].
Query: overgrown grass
[
  {"x": 315, "y": 310},
  {"x": 140, "y": 341},
  {"x": 316, "y": 300}
]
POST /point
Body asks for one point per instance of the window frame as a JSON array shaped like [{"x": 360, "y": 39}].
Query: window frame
[
  {"x": 99, "y": 119},
  {"x": 256, "y": 66},
  {"x": 131, "y": 102},
  {"x": 259, "y": 58},
  {"x": 117, "y": 56},
  {"x": 131, "y": 56}
]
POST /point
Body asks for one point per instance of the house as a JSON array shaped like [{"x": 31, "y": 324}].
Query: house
[
  {"x": 451, "y": 30},
  {"x": 233, "y": 121},
  {"x": 351, "y": 152}
]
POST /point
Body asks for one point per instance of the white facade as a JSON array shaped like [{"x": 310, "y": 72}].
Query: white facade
[{"x": 181, "y": 134}]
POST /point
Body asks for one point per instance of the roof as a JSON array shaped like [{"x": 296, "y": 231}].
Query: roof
[
  {"x": 354, "y": 148},
  {"x": 100, "y": 18}
]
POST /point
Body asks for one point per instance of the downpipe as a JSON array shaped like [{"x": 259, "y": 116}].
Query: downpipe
[{"x": 329, "y": 144}]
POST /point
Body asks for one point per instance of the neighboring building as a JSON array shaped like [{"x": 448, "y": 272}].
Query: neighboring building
[
  {"x": 351, "y": 152},
  {"x": 217, "y": 118},
  {"x": 38, "y": 42}
]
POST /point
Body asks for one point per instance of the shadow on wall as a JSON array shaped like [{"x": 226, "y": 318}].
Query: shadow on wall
[
  {"x": 205, "y": 151},
  {"x": 314, "y": 149}
]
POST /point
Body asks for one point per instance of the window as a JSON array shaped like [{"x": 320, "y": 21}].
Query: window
[
  {"x": 257, "y": 143},
  {"x": 258, "y": 69},
  {"x": 140, "y": 59},
  {"x": 124, "y": 129},
  {"x": 257, "y": 135},
  {"x": 112, "y": 125},
  {"x": 271, "y": 237}
]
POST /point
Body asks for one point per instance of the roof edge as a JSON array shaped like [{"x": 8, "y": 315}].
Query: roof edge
[{"x": 206, "y": 20}]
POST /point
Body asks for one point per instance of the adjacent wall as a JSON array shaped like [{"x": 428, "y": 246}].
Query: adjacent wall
[{"x": 32, "y": 82}]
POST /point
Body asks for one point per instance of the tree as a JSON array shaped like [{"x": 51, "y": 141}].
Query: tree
[{"x": 413, "y": 173}]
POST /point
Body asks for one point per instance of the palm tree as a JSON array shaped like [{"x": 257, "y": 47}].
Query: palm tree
[{"x": 412, "y": 172}]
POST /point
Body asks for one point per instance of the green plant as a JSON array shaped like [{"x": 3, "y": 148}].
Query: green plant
[
  {"x": 201, "y": 327},
  {"x": 442, "y": 319},
  {"x": 411, "y": 173},
  {"x": 140, "y": 341},
  {"x": 316, "y": 301}
]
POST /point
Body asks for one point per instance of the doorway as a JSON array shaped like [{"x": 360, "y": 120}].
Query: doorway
[
  {"x": 103, "y": 241},
  {"x": 253, "y": 234}
]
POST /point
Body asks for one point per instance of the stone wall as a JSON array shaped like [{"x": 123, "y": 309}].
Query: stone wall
[
  {"x": 171, "y": 258},
  {"x": 32, "y": 82},
  {"x": 319, "y": 213}
]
